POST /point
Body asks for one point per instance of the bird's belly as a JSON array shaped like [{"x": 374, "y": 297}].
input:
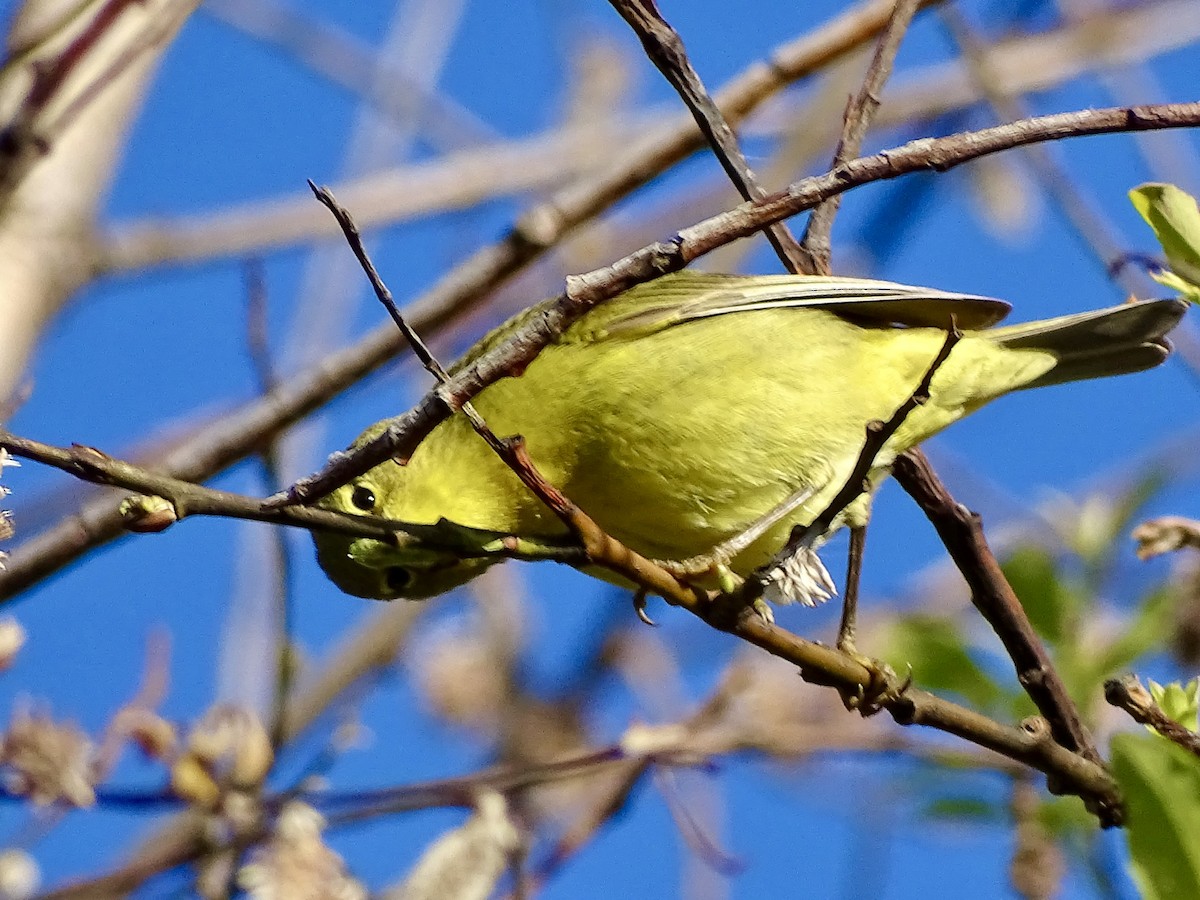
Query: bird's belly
[{"x": 680, "y": 441}]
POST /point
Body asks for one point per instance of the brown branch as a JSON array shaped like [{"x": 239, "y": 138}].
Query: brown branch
[
  {"x": 816, "y": 247},
  {"x": 1081, "y": 212},
  {"x": 541, "y": 227},
  {"x": 382, "y": 293},
  {"x": 183, "y": 499},
  {"x": 962, "y": 533},
  {"x": 585, "y": 292},
  {"x": 665, "y": 49},
  {"x": 1128, "y": 693}
]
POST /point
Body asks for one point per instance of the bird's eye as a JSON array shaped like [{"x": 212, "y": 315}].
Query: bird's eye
[
  {"x": 363, "y": 497},
  {"x": 398, "y": 578}
]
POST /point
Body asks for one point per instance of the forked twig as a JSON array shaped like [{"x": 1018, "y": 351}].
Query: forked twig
[
  {"x": 665, "y": 49},
  {"x": 860, "y": 110}
]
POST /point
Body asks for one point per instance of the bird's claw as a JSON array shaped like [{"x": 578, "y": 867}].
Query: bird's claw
[
  {"x": 881, "y": 688},
  {"x": 639, "y": 607},
  {"x": 763, "y": 610}
]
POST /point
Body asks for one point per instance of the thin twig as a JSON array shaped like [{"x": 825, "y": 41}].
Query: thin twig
[
  {"x": 585, "y": 292},
  {"x": 239, "y": 434},
  {"x": 183, "y": 499},
  {"x": 259, "y": 347},
  {"x": 665, "y": 49},
  {"x": 1130, "y": 694},
  {"x": 962, "y": 533},
  {"x": 354, "y": 239},
  {"x": 816, "y": 245}
]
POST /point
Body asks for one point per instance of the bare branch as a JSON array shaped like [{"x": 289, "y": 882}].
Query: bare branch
[
  {"x": 962, "y": 533},
  {"x": 665, "y": 49},
  {"x": 816, "y": 248},
  {"x": 585, "y": 292},
  {"x": 1130, "y": 694}
]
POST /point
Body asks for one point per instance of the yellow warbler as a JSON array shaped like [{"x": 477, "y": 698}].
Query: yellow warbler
[{"x": 696, "y": 409}]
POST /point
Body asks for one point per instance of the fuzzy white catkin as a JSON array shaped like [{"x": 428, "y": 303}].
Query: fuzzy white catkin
[{"x": 466, "y": 863}]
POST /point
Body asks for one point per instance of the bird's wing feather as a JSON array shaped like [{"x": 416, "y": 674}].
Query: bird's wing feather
[{"x": 688, "y": 296}]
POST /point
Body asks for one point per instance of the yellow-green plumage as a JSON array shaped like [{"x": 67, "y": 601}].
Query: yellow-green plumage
[{"x": 683, "y": 411}]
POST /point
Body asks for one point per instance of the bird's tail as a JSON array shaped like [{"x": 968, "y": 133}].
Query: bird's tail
[{"x": 1113, "y": 341}]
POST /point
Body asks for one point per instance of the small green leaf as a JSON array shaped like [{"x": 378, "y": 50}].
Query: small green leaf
[
  {"x": 1066, "y": 818},
  {"x": 938, "y": 654},
  {"x": 1051, "y": 605},
  {"x": 1161, "y": 785},
  {"x": 1173, "y": 215},
  {"x": 1177, "y": 701},
  {"x": 964, "y": 808}
]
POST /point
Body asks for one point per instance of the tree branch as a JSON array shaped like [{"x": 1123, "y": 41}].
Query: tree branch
[
  {"x": 665, "y": 49},
  {"x": 860, "y": 111},
  {"x": 962, "y": 533},
  {"x": 585, "y": 292},
  {"x": 1129, "y": 694}
]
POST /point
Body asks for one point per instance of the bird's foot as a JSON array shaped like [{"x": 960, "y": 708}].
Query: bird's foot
[
  {"x": 764, "y": 611},
  {"x": 882, "y": 688},
  {"x": 713, "y": 566}
]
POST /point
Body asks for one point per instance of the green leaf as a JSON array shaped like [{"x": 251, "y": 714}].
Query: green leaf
[
  {"x": 1173, "y": 215},
  {"x": 1051, "y": 605},
  {"x": 938, "y": 654},
  {"x": 1177, "y": 701},
  {"x": 964, "y": 808},
  {"x": 1161, "y": 785},
  {"x": 1066, "y": 818}
]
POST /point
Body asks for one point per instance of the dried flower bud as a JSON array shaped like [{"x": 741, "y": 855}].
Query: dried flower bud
[
  {"x": 191, "y": 781},
  {"x": 47, "y": 761},
  {"x": 147, "y": 515},
  {"x": 295, "y": 864},
  {"x": 12, "y": 639},
  {"x": 232, "y": 745}
]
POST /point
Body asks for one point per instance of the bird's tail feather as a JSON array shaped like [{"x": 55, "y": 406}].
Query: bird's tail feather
[{"x": 1114, "y": 341}]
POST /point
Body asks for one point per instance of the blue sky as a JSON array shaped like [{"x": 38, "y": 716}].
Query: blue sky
[{"x": 231, "y": 121}]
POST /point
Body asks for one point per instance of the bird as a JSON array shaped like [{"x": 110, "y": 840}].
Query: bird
[{"x": 703, "y": 416}]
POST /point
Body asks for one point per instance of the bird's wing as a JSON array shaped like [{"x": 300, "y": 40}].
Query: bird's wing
[{"x": 688, "y": 296}]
